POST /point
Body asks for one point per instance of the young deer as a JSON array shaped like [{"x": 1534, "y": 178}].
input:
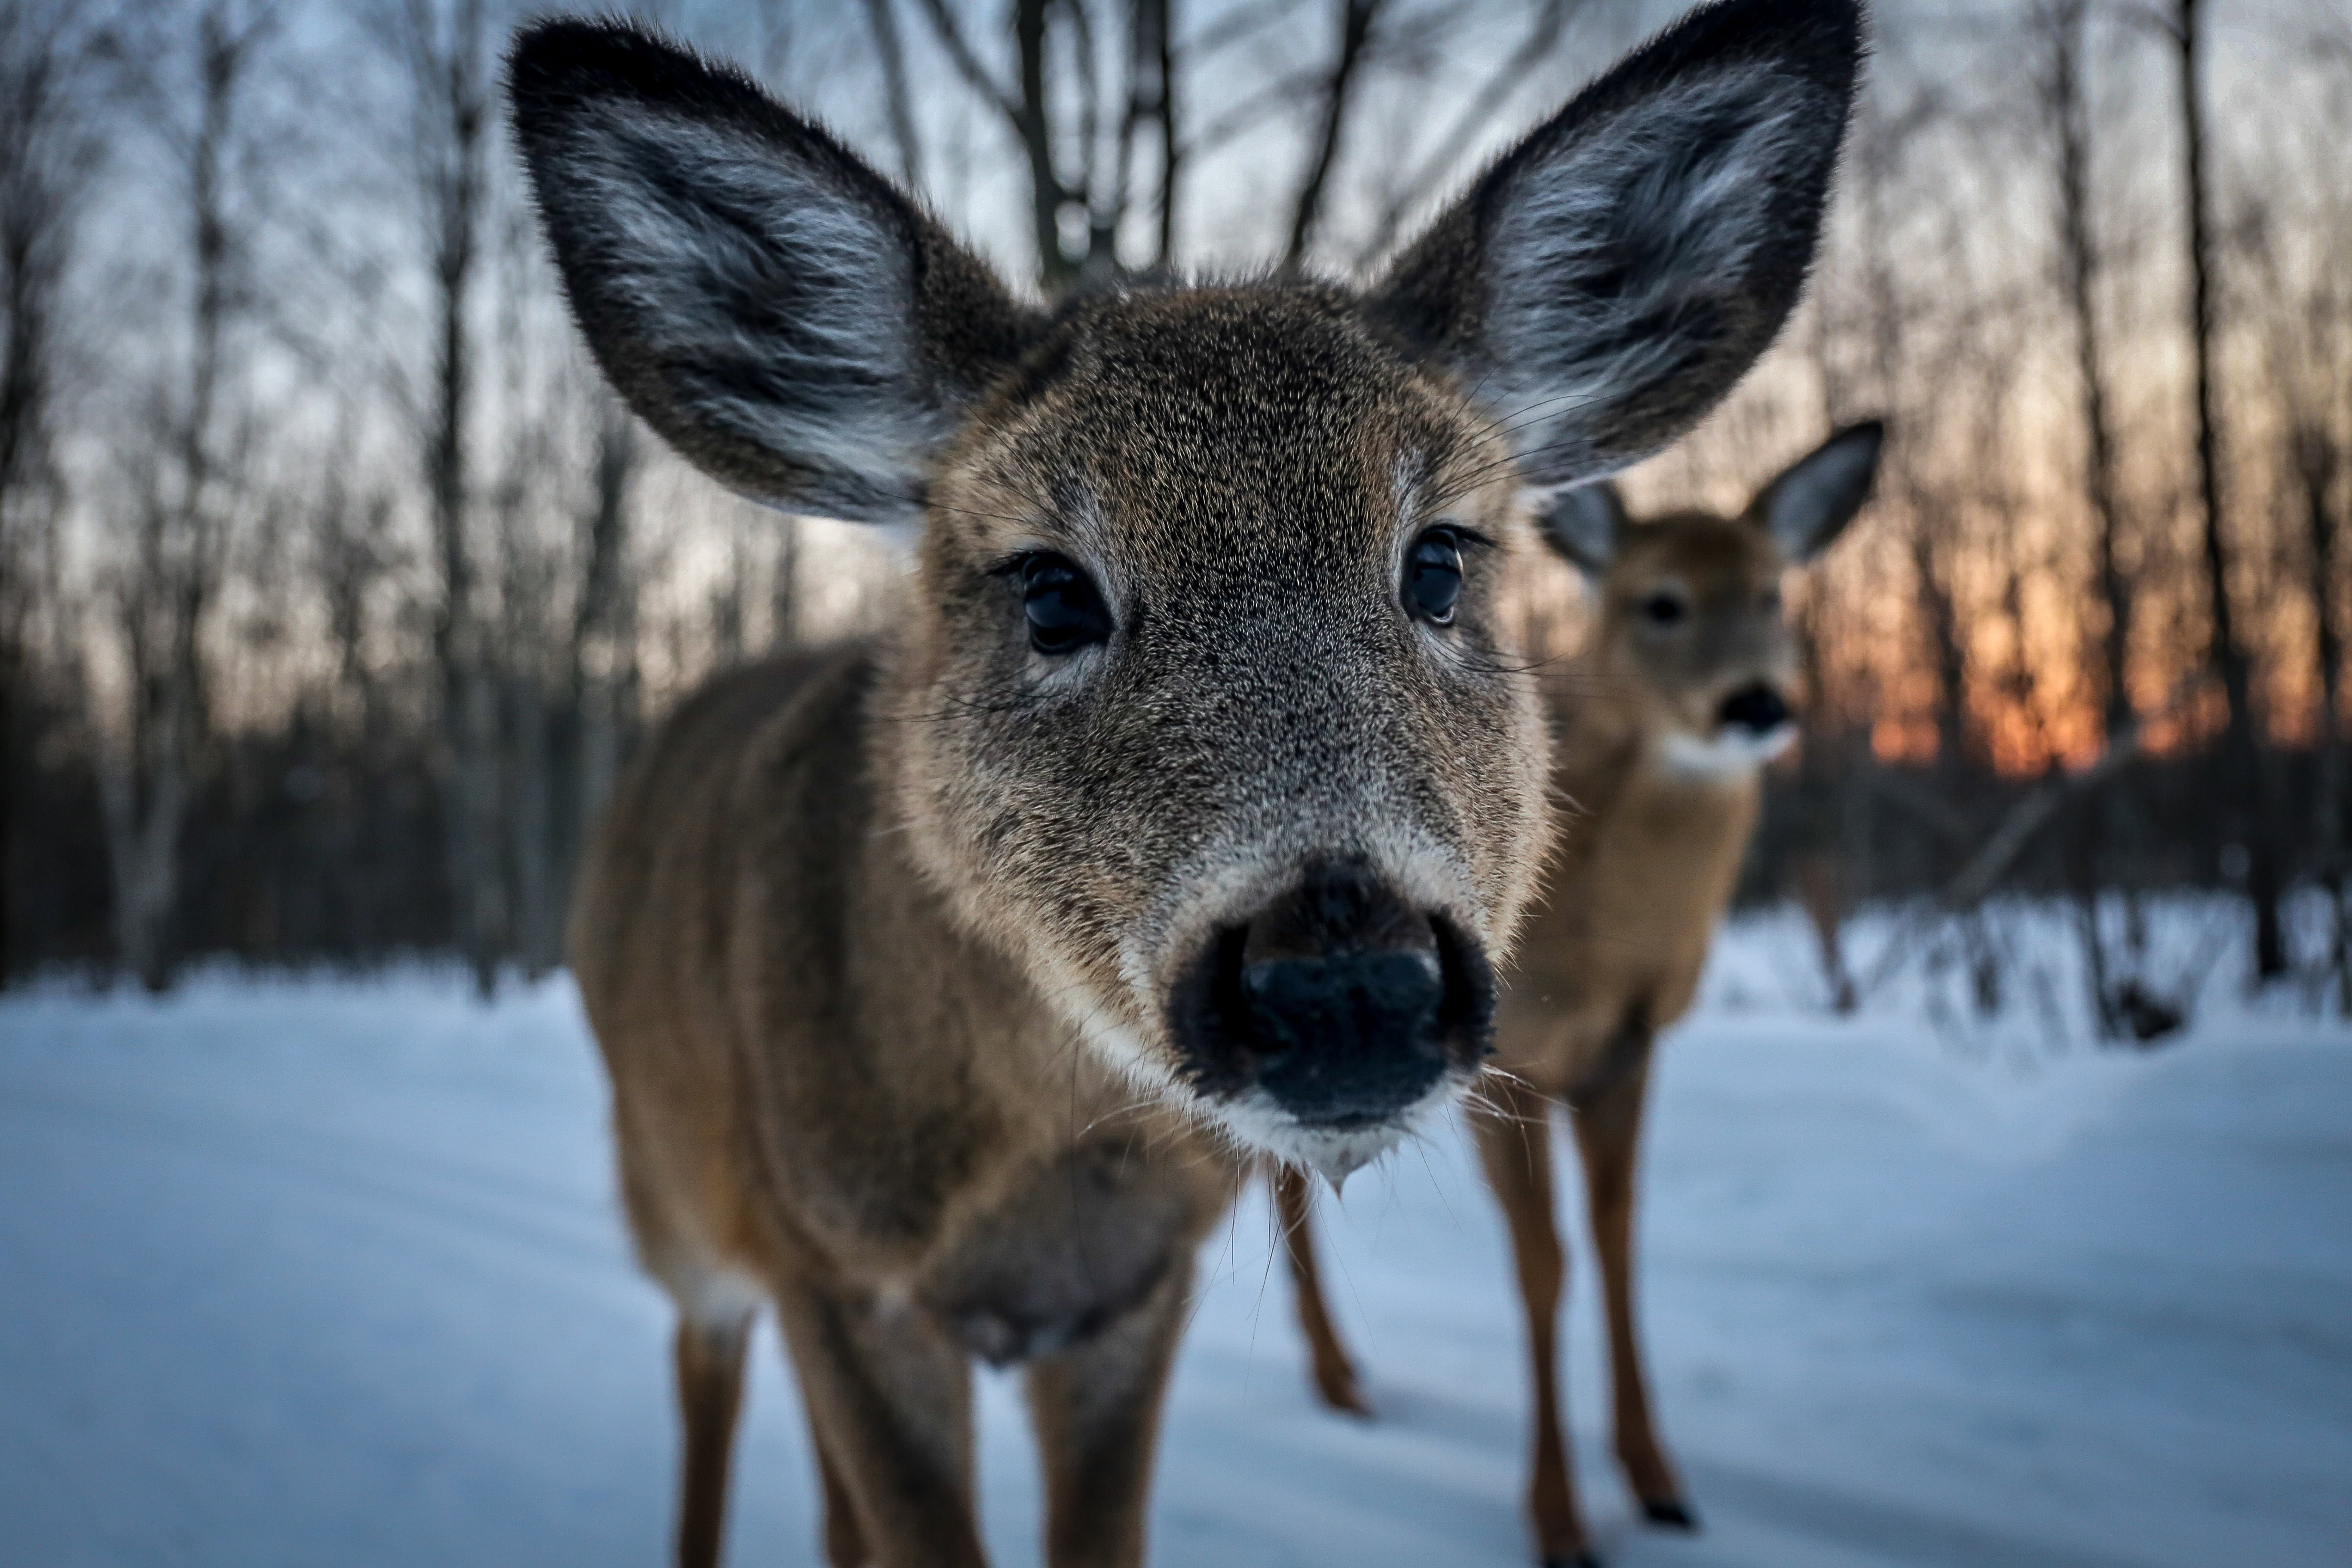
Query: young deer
[
  {"x": 948, "y": 981},
  {"x": 1661, "y": 730}
]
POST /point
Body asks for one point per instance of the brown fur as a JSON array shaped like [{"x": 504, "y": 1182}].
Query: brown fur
[
  {"x": 1633, "y": 889},
  {"x": 811, "y": 946},
  {"x": 946, "y": 982}
]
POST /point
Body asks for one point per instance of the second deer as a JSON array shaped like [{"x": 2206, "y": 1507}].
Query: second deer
[{"x": 1663, "y": 728}]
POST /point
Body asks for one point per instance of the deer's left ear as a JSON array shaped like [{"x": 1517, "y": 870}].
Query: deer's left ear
[
  {"x": 793, "y": 323},
  {"x": 1809, "y": 504},
  {"x": 1612, "y": 276},
  {"x": 1584, "y": 526}
]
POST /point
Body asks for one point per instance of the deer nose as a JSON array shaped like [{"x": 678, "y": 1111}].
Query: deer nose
[
  {"x": 1339, "y": 1000},
  {"x": 1759, "y": 708}
]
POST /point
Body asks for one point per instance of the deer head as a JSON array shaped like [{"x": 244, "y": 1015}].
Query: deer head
[
  {"x": 1690, "y": 603},
  {"x": 1201, "y": 712}
]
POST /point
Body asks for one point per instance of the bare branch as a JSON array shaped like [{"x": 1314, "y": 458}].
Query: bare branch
[
  {"x": 1253, "y": 110},
  {"x": 1237, "y": 27},
  {"x": 950, "y": 36},
  {"x": 885, "y": 25},
  {"x": 1970, "y": 885},
  {"x": 1479, "y": 109},
  {"x": 1357, "y": 20}
]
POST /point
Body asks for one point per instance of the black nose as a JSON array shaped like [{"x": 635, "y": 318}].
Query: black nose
[
  {"x": 1758, "y": 707},
  {"x": 1339, "y": 1000}
]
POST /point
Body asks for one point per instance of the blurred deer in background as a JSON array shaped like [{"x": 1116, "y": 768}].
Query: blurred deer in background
[
  {"x": 947, "y": 983},
  {"x": 1662, "y": 730}
]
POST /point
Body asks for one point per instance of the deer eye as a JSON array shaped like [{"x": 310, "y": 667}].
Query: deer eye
[
  {"x": 1664, "y": 609},
  {"x": 1433, "y": 576},
  {"x": 1065, "y": 612}
]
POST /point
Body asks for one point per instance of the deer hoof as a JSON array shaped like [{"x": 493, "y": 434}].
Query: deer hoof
[
  {"x": 1669, "y": 1513},
  {"x": 1347, "y": 1399},
  {"x": 1578, "y": 1560}
]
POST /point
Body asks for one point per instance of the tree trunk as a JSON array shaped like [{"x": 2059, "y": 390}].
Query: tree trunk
[
  {"x": 784, "y": 588},
  {"x": 538, "y": 923},
  {"x": 456, "y": 109},
  {"x": 1823, "y": 887},
  {"x": 179, "y": 563},
  {"x": 897, "y": 97},
  {"x": 25, "y": 325},
  {"x": 2102, "y": 825},
  {"x": 1162, "y": 15},
  {"x": 2318, "y": 458},
  {"x": 2078, "y": 267},
  {"x": 1055, "y": 270},
  {"x": 2239, "y": 766},
  {"x": 1356, "y": 21},
  {"x": 603, "y": 632}
]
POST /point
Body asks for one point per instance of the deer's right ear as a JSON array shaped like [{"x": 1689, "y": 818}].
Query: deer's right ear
[
  {"x": 774, "y": 307},
  {"x": 1808, "y": 506},
  {"x": 1584, "y": 526},
  {"x": 1614, "y": 274}
]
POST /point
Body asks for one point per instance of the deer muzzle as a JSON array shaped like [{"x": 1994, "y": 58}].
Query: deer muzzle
[
  {"x": 1759, "y": 708},
  {"x": 1340, "y": 1003}
]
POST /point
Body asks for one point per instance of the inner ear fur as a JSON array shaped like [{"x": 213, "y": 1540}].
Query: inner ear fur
[
  {"x": 1585, "y": 525},
  {"x": 779, "y": 311},
  {"x": 1808, "y": 505},
  {"x": 1612, "y": 276}
]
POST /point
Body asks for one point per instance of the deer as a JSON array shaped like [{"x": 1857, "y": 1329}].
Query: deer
[
  {"x": 1663, "y": 728},
  {"x": 948, "y": 981}
]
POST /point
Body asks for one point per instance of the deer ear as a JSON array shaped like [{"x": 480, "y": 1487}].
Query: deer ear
[
  {"x": 1584, "y": 526},
  {"x": 1811, "y": 503},
  {"x": 1613, "y": 275},
  {"x": 778, "y": 310}
]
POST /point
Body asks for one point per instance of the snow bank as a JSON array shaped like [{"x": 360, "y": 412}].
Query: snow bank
[{"x": 309, "y": 1273}]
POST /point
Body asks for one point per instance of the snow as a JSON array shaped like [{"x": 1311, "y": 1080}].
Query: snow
[{"x": 311, "y": 1272}]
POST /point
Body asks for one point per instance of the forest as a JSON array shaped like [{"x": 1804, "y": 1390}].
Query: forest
[{"x": 335, "y": 589}]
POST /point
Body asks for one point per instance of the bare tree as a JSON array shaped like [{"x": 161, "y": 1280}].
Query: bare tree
[
  {"x": 1082, "y": 144},
  {"x": 1482, "y": 105},
  {"x": 2322, "y": 452},
  {"x": 444, "y": 50},
  {"x": 1358, "y": 20},
  {"x": 1027, "y": 110},
  {"x": 468, "y": 695},
  {"x": 897, "y": 94},
  {"x": 2065, "y": 104},
  {"x": 1891, "y": 324},
  {"x": 49, "y": 149},
  {"x": 1104, "y": 187},
  {"x": 2316, "y": 453},
  {"x": 182, "y": 514},
  {"x": 2063, "y": 25},
  {"x": 2240, "y": 777},
  {"x": 784, "y": 587},
  {"x": 2290, "y": 241},
  {"x": 603, "y": 628}
]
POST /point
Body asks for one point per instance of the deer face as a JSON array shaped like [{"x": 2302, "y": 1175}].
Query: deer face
[
  {"x": 1216, "y": 725},
  {"x": 1690, "y": 603},
  {"x": 1200, "y": 712}
]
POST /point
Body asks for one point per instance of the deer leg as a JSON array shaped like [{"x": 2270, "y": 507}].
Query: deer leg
[
  {"x": 1608, "y": 1124},
  {"x": 708, "y": 1355},
  {"x": 844, "y": 1541},
  {"x": 889, "y": 1399},
  {"x": 1514, "y": 1144},
  {"x": 1096, "y": 1409},
  {"x": 1335, "y": 1373}
]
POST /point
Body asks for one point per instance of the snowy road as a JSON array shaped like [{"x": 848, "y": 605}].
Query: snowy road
[{"x": 331, "y": 1274}]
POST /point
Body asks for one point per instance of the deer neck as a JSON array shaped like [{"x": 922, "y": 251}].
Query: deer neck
[{"x": 1616, "y": 751}]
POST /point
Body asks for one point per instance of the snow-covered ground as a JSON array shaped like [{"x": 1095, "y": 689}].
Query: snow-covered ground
[{"x": 311, "y": 1273}]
